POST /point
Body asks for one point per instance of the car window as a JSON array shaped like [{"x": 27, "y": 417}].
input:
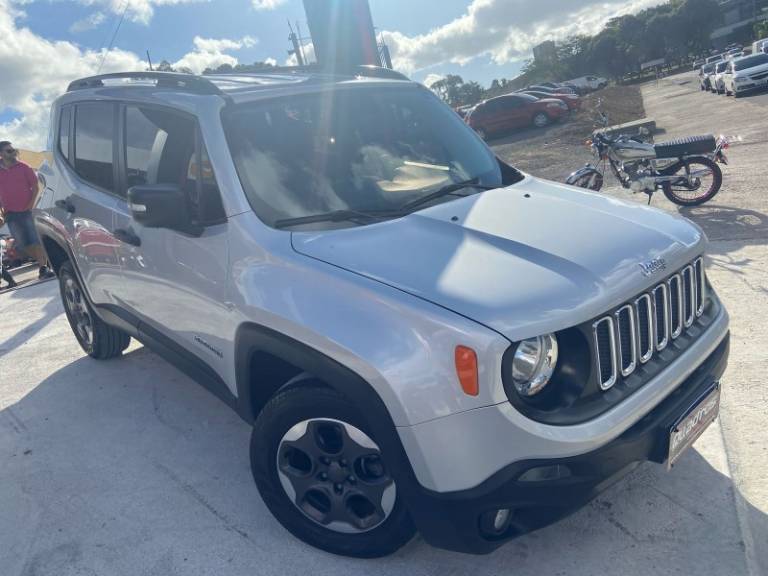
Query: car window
[
  {"x": 65, "y": 118},
  {"x": 94, "y": 141},
  {"x": 363, "y": 149},
  {"x": 163, "y": 147},
  {"x": 750, "y": 62}
]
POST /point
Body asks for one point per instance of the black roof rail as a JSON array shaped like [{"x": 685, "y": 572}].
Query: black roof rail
[
  {"x": 369, "y": 71},
  {"x": 186, "y": 82}
]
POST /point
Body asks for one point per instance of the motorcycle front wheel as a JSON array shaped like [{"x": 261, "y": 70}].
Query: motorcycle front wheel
[
  {"x": 700, "y": 181},
  {"x": 590, "y": 181}
]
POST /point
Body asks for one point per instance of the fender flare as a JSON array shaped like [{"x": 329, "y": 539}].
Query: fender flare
[
  {"x": 254, "y": 338},
  {"x": 587, "y": 170}
]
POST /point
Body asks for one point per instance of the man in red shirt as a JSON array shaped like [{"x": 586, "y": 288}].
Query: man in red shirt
[{"x": 18, "y": 194}]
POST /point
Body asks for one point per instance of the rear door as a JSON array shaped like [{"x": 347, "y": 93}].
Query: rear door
[
  {"x": 514, "y": 113},
  {"x": 84, "y": 195}
]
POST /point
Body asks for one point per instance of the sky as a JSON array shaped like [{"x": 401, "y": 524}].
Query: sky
[{"x": 48, "y": 43}]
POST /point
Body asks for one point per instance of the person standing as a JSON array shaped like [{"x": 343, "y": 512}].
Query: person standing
[{"x": 19, "y": 189}]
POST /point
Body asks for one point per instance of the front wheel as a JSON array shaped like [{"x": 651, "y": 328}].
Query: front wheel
[
  {"x": 590, "y": 180},
  {"x": 96, "y": 338},
  {"x": 700, "y": 180},
  {"x": 540, "y": 120},
  {"x": 323, "y": 476}
]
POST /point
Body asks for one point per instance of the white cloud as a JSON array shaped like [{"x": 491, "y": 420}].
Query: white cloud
[
  {"x": 267, "y": 4},
  {"x": 35, "y": 71},
  {"x": 309, "y": 56},
  {"x": 211, "y": 53},
  {"x": 89, "y": 23},
  {"x": 504, "y": 30},
  {"x": 270, "y": 61},
  {"x": 432, "y": 78},
  {"x": 136, "y": 10}
]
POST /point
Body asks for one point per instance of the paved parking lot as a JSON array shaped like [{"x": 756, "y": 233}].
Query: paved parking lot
[{"x": 127, "y": 467}]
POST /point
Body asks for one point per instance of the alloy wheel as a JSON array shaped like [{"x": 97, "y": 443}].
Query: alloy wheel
[
  {"x": 334, "y": 474},
  {"x": 78, "y": 310}
]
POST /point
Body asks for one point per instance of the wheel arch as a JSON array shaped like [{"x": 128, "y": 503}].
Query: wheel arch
[{"x": 267, "y": 361}]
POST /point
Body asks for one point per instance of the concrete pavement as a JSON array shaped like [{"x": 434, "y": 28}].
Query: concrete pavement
[{"x": 127, "y": 467}]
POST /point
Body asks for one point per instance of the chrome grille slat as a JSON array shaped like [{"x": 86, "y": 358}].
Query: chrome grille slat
[
  {"x": 637, "y": 330},
  {"x": 689, "y": 297},
  {"x": 675, "y": 305},
  {"x": 661, "y": 312},
  {"x": 701, "y": 286},
  {"x": 605, "y": 359},
  {"x": 645, "y": 331},
  {"x": 626, "y": 336}
]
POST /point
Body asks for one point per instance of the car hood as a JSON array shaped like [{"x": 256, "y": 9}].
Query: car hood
[
  {"x": 750, "y": 71},
  {"x": 524, "y": 260}
]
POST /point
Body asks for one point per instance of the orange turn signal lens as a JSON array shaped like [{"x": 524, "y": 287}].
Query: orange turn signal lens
[
  {"x": 466, "y": 370},
  {"x": 587, "y": 142}
]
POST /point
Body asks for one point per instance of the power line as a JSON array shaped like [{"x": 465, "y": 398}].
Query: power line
[{"x": 114, "y": 35}]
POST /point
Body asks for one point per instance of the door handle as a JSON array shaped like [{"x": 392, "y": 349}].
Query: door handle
[
  {"x": 127, "y": 236},
  {"x": 65, "y": 205}
]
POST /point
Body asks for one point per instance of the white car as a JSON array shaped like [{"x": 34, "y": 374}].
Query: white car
[
  {"x": 745, "y": 74},
  {"x": 717, "y": 80},
  {"x": 587, "y": 83}
]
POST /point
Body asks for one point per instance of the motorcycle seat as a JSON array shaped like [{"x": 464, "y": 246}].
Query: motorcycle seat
[{"x": 686, "y": 146}]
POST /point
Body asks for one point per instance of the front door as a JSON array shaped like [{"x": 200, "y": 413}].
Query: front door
[{"x": 174, "y": 282}]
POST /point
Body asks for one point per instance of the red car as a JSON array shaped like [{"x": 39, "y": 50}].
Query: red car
[
  {"x": 571, "y": 100},
  {"x": 514, "y": 111}
]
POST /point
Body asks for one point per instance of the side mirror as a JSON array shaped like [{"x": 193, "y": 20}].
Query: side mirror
[{"x": 162, "y": 206}]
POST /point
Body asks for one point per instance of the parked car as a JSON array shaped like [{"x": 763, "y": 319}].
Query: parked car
[
  {"x": 715, "y": 58},
  {"x": 746, "y": 74},
  {"x": 556, "y": 90},
  {"x": 759, "y": 45},
  {"x": 421, "y": 336},
  {"x": 718, "y": 77},
  {"x": 705, "y": 76},
  {"x": 512, "y": 111},
  {"x": 571, "y": 100},
  {"x": 698, "y": 64},
  {"x": 587, "y": 83}
]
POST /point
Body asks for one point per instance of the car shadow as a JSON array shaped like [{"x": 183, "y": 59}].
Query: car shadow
[
  {"x": 50, "y": 311},
  {"x": 522, "y": 134},
  {"x": 127, "y": 467}
]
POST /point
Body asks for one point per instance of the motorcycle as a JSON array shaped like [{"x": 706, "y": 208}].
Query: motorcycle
[{"x": 685, "y": 169}]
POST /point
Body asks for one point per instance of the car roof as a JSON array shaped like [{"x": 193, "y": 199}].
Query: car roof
[{"x": 234, "y": 87}]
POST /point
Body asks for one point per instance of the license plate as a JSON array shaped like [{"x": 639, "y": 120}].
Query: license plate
[{"x": 686, "y": 430}]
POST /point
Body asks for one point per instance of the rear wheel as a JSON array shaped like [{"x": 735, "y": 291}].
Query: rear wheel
[
  {"x": 96, "y": 338},
  {"x": 323, "y": 476},
  {"x": 540, "y": 120},
  {"x": 700, "y": 181}
]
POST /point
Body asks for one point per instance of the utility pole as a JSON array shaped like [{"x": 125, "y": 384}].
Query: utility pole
[
  {"x": 149, "y": 60},
  {"x": 296, "y": 41}
]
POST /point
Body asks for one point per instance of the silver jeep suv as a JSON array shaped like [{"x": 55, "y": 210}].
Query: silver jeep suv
[{"x": 423, "y": 337}]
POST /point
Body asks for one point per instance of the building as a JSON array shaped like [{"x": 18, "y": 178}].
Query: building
[{"x": 739, "y": 17}]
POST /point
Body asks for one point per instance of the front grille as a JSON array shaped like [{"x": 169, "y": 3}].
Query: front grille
[
  {"x": 759, "y": 76},
  {"x": 635, "y": 332}
]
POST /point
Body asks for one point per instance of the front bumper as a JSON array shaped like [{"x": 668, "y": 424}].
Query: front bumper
[{"x": 453, "y": 520}]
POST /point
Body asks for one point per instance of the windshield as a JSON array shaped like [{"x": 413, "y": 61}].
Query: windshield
[
  {"x": 360, "y": 149},
  {"x": 708, "y": 68},
  {"x": 721, "y": 67},
  {"x": 750, "y": 62}
]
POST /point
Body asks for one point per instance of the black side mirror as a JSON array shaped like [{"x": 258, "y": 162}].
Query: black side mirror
[{"x": 162, "y": 206}]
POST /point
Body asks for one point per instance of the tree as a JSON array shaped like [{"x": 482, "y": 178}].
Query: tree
[{"x": 448, "y": 89}]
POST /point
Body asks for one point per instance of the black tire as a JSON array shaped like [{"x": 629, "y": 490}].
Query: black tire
[
  {"x": 541, "y": 119},
  {"x": 674, "y": 194},
  {"x": 105, "y": 341},
  {"x": 287, "y": 409},
  {"x": 590, "y": 181}
]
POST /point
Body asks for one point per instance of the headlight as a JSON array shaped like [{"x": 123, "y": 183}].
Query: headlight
[{"x": 533, "y": 364}]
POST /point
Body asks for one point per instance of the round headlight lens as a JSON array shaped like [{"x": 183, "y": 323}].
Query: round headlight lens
[{"x": 533, "y": 364}]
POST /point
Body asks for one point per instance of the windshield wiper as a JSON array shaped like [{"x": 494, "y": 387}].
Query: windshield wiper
[
  {"x": 335, "y": 216},
  {"x": 446, "y": 190}
]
